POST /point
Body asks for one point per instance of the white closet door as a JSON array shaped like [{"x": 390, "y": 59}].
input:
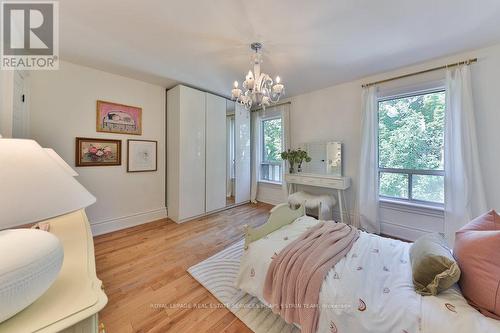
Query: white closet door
[
  {"x": 242, "y": 129},
  {"x": 215, "y": 152},
  {"x": 192, "y": 153}
]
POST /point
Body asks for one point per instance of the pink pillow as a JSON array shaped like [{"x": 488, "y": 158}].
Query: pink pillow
[{"x": 477, "y": 250}]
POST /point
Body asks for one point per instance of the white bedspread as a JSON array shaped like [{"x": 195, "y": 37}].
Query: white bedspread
[{"x": 370, "y": 290}]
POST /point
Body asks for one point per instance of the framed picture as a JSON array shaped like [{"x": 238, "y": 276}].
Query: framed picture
[
  {"x": 142, "y": 155},
  {"x": 98, "y": 152},
  {"x": 118, "y": 118}
]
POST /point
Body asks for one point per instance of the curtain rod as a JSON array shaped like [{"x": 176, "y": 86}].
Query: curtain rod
[
  {"x": 255, "y": 110},
  {"x": 465, "y": 62}
]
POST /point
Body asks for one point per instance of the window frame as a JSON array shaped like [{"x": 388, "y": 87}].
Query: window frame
[
  {"x": 262, "y": 160},
  {"x": 407, "y": 172}
]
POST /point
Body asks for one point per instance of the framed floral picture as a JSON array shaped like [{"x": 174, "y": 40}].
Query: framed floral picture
[
  {"x": 142, "y": 155},
  {"x": 118, "y": 118},
  {"x": 98, "y": 152}
]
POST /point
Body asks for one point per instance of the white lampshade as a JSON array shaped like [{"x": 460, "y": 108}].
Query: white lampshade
[
  {"x": 62, "y": 163},
  {"x": 33, "y": 187}
]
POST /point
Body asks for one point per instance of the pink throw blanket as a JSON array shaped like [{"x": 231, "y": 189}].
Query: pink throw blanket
[{"x": 295, "y": 276}]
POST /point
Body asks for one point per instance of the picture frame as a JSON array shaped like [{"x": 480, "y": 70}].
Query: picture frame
[
  {"x": 97, "y": 152},
  {"x": 142, "y": 155},
  {"x": 118, "y": 118}
]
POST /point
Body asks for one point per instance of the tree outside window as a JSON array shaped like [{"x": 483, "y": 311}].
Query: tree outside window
[
  {"x": 272, "y": 146},
  {"x": 411, "y": 147}
]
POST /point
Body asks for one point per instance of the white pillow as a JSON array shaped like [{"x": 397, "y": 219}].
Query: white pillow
[{"x": 30, "y": 261}]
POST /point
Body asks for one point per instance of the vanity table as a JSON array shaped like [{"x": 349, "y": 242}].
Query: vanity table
[
  {"x": 339, "y": 184},
  {"x": 323, "y": 170}
]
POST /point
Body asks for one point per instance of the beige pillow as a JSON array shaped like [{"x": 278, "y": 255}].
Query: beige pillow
[{"x": 434, "y": 268}]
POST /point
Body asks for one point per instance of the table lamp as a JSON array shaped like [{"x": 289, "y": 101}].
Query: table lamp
[
  {"x": 35, "y": 185},
  {"x": 62, "y": 163}
]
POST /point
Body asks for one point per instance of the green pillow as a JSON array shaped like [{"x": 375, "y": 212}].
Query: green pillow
[{"x": 434, "y": 268}]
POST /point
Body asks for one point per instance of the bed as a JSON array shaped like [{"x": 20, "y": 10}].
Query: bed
[{"x": 369, "y": 290}]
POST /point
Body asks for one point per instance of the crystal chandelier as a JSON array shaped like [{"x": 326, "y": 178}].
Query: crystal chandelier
[{"x": 259, "y": 88}]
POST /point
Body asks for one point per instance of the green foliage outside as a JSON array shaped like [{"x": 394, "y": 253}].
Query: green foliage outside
[
  {"x": 411, "y": 136},
  {"x": 272, "y": 140}
]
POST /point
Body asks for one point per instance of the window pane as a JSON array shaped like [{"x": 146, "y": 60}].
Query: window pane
[
  {"x": 394, "y": 185},
  {"x": 428, "y": 188},
  {"x": 265, "y": 173},
  {"x": 271, "y": 140},
  {"x": 277, "y": 173},
  {"x": 411, "y": 132},
  {"x": 271, "y": 172}
]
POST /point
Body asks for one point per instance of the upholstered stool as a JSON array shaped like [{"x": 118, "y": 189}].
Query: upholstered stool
[{"x": 322, "y": 204}]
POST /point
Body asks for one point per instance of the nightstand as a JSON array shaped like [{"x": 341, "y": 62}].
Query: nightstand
[{"x": 71, "y": 304}]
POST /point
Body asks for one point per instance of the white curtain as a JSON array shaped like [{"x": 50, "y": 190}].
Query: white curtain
[
  {"x": 368, "y": 163},
  {"x": 285, "y": 122},
  {"x": 464, "y": 193}
]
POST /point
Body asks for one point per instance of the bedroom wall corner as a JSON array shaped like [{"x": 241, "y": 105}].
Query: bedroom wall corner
[{"x": 63, "y": 106}]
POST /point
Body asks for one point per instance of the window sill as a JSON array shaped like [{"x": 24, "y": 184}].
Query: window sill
[
  {"x": 263, "y": 181},
  {"x": 411, "y": 207}
]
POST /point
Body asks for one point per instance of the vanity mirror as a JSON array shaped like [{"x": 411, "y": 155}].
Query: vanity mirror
[{"x": 326, "y": 158}]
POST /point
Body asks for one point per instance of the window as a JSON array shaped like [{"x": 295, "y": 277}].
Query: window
[
  {"x": 411, "y": 147},
  {"x": 270, "y": 166}
]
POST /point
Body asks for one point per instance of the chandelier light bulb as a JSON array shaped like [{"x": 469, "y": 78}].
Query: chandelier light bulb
[
  {"x": 278, "y": 79},
  {"x": 236, "y": 84},
  {"x": 250, "y": 75}
]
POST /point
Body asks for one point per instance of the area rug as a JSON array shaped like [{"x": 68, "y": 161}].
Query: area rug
[{"x": 218, "y": 275}]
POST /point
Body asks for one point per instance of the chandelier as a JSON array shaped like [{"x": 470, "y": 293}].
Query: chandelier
[{"x": 260, "y": 89}]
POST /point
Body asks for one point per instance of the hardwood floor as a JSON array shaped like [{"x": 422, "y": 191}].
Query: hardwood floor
[{"x": 143, "y": 270}]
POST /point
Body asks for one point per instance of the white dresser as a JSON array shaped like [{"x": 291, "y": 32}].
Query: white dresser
[{"x": 339, "y": 184}]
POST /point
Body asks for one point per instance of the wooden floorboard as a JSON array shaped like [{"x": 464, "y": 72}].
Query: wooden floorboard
[{"x": 143, "y": 270}]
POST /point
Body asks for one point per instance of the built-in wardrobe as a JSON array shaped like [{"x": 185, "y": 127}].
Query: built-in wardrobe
[{"x": 208, "y": 153}]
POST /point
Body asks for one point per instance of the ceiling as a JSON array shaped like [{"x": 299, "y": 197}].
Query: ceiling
[{"x": 310, "y": 44}]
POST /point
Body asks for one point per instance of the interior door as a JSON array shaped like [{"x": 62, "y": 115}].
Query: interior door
[
  {"x": 215, "y": 134},
  {"x": 242, "y": 173}
]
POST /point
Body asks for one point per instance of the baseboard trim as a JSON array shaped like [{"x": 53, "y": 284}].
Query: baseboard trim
[
  {"x": 114, "y": 224},
  {"x": 210, "y": 213},
  {"x": 269, "y": 201}
]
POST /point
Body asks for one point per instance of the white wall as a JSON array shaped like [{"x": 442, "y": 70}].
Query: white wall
[
  {"x": 334, "y": 113},
  {"x": 270, "y": 193},
  {"x": 330, "y": 114},
  {"x": 63, "y": 106}
]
